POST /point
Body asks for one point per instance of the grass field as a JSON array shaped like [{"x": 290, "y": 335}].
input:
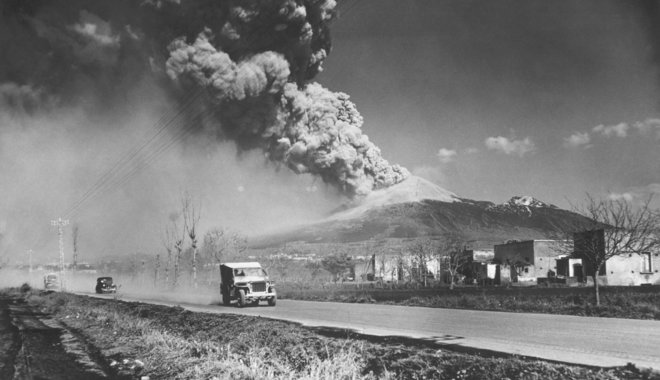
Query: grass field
[
  {"x": 619, "y": 302},
  {"x": 173, "y": 343}
]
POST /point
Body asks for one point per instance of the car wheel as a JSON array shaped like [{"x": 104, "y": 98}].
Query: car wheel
[
  {"x": 241, "y": 298},
  {"x": 272, "y": 301},
  {"x": 98, "y": 290}
]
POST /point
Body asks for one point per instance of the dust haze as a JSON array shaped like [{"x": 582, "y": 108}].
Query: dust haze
[
  {"x": 51, "y": 157},
  {"x": 109, "y": 114}
]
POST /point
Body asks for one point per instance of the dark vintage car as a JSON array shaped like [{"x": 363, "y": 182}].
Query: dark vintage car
[
  {"x": 105, "y": 285},
  {"x": 246, "y": 283},
  {"x": 51, "y": 281}
]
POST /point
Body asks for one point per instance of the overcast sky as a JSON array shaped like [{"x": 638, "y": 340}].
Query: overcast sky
[
  {"x": 488, "y": 99},
  {"x": 492, "y": 99}
]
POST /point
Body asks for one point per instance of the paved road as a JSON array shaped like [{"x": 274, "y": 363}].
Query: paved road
[{"x": 582, "y": 340}]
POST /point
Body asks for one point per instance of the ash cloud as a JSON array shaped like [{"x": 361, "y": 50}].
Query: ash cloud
[
  {"x": 82, "y": 80},
  {"x": 254, "y": 61},
  {"x": 261, "y": 98}
]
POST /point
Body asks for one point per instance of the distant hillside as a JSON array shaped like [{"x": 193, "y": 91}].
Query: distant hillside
[{"x": 420, "y": 209}]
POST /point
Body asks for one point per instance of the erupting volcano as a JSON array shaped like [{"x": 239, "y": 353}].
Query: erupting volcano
[{"x": 246, "y": 66}]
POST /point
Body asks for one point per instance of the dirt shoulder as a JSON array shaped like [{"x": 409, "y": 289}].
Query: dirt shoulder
[
  {"x": 131, "y": 340},
  {"x": 34, "y": 346}
]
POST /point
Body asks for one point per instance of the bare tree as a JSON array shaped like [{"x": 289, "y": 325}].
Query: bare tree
[
  {"x": 191, "y": 216},
  {"x": 337, "y": 264},
  {"x": 314, "y": 267},
  {"x": 618, "y": 227},
  {"x": 221, "y": 244},
  {"x": 455, "y": 257},
  {"x": 168, "y": 242},
  {"x": 178, "y": 248},
  {"x": 281, "y": 264},
  {"x": 422, "y": 251}
]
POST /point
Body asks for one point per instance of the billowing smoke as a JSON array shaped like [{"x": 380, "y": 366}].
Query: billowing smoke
[
  {"x": 82, "y": 81},
  {"x": 254, "y": 60},
  {"x": 259, "y": 102},
  {"x": 309, "y": 128}
]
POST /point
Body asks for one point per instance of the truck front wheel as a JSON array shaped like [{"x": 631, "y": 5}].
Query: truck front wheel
[
  {"x": 272, "y": 301},
  {"x": 241, "y": 298}
]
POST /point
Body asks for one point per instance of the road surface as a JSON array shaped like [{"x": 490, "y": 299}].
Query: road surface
[{"x": 603, "y": 342}]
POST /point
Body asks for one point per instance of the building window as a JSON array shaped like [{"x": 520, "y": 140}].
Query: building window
[{"x": 646, "y": 262}]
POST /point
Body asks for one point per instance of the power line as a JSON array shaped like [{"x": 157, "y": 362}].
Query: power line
[
  {"x": 132, "y": 155},
  {"x": 147, "y": 159},
  {"x": 114, "y": 176},
  {"x": 163, "y": 147}
]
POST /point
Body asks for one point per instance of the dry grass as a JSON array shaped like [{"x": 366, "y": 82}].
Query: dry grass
[{"x": 174, "y": 343}]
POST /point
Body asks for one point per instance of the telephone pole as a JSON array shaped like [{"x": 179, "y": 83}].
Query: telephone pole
[
  {"x": 60, "y": 223},
  {"x": 75, "y": 247}
]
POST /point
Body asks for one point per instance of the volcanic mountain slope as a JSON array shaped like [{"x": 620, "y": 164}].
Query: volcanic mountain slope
[{"x": 419, "y": 208}]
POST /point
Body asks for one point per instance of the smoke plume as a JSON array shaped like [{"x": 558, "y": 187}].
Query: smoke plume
[
  {"x": 82, "y": 80},
  {"x": 253, "y": 59},
  {"x": 261, "y": 98}
]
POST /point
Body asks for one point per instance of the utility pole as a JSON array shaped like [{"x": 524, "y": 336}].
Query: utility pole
[
  {"x": 75, "y": 247},
  {"x": 60, "y": 223},
  {"x": 156, "y": 268}
]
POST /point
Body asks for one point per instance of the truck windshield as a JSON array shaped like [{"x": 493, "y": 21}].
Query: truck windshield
[{"x": 249, "y": 272}]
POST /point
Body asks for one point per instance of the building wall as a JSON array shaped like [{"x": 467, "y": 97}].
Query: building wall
[
  {"x": 622, "y": 270},
  {"x": 530, "y": 259},
  {"x": 546, "y": 253},
  {"x": 519, "y": 257},
  {"x": 572, "y": 267},
  {"x": 627, "y": 270}
]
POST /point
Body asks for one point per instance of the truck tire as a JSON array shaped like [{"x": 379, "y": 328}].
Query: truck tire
[
  {"x": 241, "y": 298},
  {"x": 272, "y": 301}
]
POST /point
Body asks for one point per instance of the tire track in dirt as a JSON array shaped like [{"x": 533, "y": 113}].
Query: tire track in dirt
[
  {"x": 9, "y": 341},
  {"x": 42, "y": 348}
]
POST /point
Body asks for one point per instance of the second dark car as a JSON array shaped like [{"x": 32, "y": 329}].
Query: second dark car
[{"x": 105, "y": 285}]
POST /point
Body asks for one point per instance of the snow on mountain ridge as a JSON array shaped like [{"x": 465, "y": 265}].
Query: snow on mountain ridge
[
  {"x": 527, "y": 200},
  {"x": 520, "y": 205},
  {"x": 417, "y": 189},
  {"x": 413, "y": 189}
]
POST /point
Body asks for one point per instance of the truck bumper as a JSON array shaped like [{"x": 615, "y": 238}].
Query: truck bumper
[{"x": 261, "y": 296}]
